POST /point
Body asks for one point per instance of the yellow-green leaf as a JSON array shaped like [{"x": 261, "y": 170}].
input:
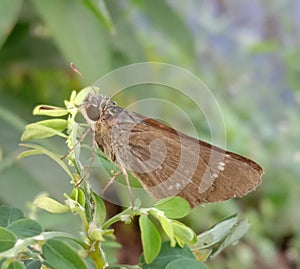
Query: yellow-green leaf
[
  {"x": 167, "y": 226},
  {"x": 151, "y": 239},
  {"x": 174, "y": 207},
  {"x": 183, "y": 234},
  {"x": 28, "y": 153},
  {"x": 82, "y": 94},
  {"x": 99, "y": 214},
  {"x": 39, "y": 131},
  {"x": 50, "y": 205},
  {"x": 78, "y": 196},
  {"x": 50, "y": 154},
  {"x": 51, "y": 111}
]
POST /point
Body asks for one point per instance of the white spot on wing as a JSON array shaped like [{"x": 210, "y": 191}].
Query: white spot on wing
[
  {"x": 170, "y": 187},
  {"x": 178, "y": 185},
  {"x": 221, "y": 166},
  {"x": 214, "y": 175}
]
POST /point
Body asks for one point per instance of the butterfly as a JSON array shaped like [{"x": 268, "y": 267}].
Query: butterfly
[{"x": 165, "y": 161}]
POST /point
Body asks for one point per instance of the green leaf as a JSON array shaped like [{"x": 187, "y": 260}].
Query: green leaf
[
  {"x": 83, "y": 93},
  {"x": 56, "y": 124},
  {"x": 79, "y": 46},
  {"x": 16, "y": 265},
  {"x": 52, "y": 111},
  {"x": 7, "y": 239},
  {"x": 29, "y": 241},
  {"x": 174, "y": 207},
  {"x": 9, "y": 13},
  {"x": 9, "y": 214},
  {"x": 78, "y": 196},
  {"x": 28, "y": 153},
  {"x": 50, "y": 154},
  {"x": 151, "y": 239},
  {"x": 117, "y": 266},
  {"x": 98, "y": 7},
  {"x": 167, "y": 226},
  {"x": 44, "y": 129},
  {"x": 185, "y": 263},
  {"x": 236, "y": 233},
  {"x": 221, "y": 235},
  {"x": 99, "y": 215},
  {"x": 216, "y": 233},
  {"x": 50, "y": 205},
  {"x": 25, "y": 227},
  {"x": 183, "y": 234},
  {"x": 127, "y": 41},
  {"x": 60, "y": 255},
  {"x": 50, "y": 235},
  {"x": 32, "y": 264},
  {"x": 166, "y": 255},
  {"x": 170, "y": 25}
]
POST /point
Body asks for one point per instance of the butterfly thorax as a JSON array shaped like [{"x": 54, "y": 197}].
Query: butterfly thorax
[{"x": 108, "y": 122}]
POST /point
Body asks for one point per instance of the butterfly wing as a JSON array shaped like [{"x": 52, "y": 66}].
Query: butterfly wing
[{"x": 168, "y": 163}]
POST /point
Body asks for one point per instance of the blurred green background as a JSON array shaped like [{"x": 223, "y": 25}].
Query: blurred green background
[{"x": 247, "y": 52}]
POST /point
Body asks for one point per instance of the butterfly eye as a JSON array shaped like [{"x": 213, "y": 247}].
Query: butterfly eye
[{"x": 93, "y": 113}]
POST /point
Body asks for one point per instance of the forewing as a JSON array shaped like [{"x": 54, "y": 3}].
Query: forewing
[{"x": 168, "y": 163}]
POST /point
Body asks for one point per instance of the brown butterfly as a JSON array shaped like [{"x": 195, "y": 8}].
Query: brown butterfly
[{"x": 166, "y": 161}]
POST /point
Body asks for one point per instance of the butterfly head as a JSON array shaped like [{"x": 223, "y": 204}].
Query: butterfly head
[{"x": 94, "y": 105}]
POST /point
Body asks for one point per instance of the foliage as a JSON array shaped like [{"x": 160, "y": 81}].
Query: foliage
[
  {"x": 25, "y": 241},
  {"x": 246, "y": 52}
]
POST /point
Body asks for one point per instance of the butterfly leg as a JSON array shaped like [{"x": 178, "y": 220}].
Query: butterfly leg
[
  {"x": 94, "y": 154},
  {"x": 116, "y": 175},
  {"x": 76, "y": 144},
  {"x": 124, "y": 172}
]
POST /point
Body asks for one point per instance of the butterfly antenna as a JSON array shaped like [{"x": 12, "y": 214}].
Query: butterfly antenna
[{"x": 76, "y": 70}]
